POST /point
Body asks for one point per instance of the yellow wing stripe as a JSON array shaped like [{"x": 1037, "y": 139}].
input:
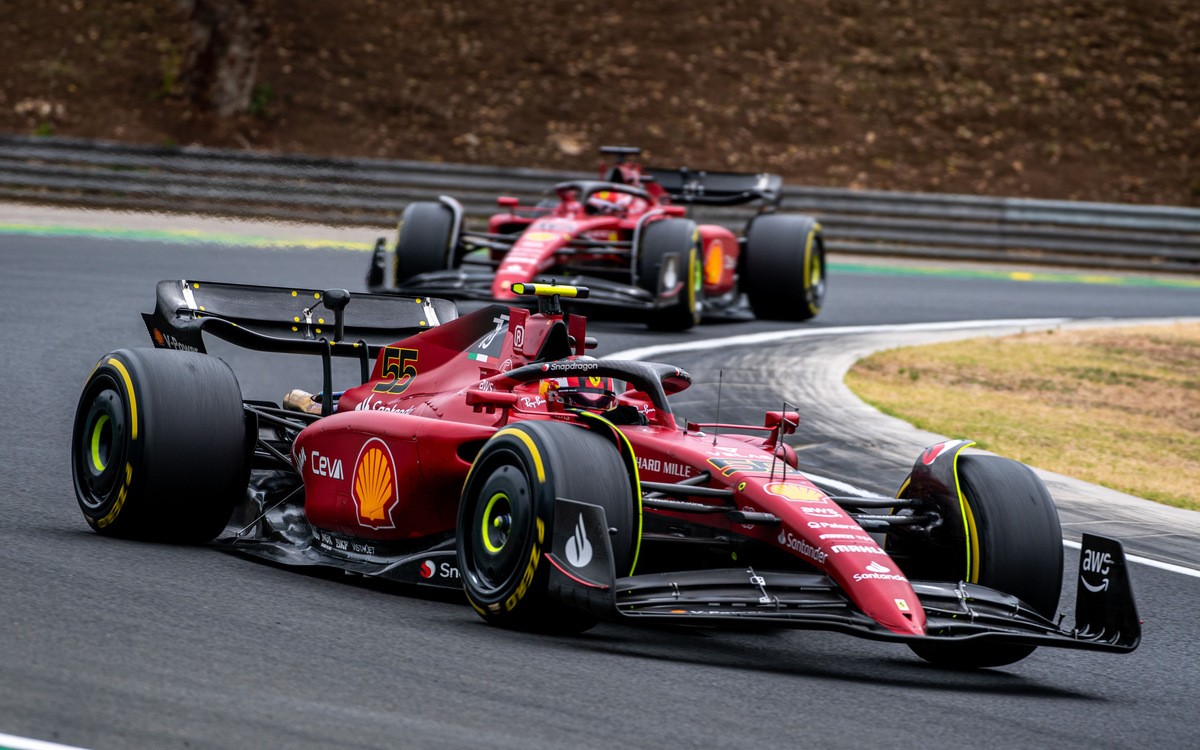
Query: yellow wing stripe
[{"x": 544, "y": 290}]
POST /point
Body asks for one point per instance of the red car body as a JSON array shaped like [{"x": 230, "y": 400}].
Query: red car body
[
  {"x": 489, "y": 452},
  {"x": 629, "y": 238}
]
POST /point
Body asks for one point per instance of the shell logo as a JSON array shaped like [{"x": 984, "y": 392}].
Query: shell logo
[
  {"x": 797, "y": 493},
  {"x": 374, "y": 485}
]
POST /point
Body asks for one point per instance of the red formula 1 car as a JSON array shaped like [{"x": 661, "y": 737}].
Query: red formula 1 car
[
  {"x": 488, "y": 453},
  {"x": 627, "y": 236}
]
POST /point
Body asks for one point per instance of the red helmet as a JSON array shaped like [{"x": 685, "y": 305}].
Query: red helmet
[{"x": 592, "y": 393}]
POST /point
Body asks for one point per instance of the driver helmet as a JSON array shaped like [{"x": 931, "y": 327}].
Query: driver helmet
[
  {"x": 591, "y": 393},
  {"x": 608, "y": 201}
]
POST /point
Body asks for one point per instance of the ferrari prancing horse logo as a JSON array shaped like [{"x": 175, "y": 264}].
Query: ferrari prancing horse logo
[{"x": 374, "y": 485}]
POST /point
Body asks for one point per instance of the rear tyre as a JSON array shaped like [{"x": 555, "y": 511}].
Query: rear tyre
[
  {"x": 158, "y": 450},
  {"x": 506, "y": 519},
  {"x": 423, "y": 242},
  {"x": 669, "y": 261},
  {"x": 1019, "y": 552},
  {"x": 784, "y": 272}
]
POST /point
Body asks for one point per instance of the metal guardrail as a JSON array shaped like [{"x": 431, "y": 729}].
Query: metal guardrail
[{"x": 374, "y": 191}]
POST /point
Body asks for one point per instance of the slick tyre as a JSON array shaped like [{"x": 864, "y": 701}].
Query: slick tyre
[
  {"x": 784, "y": 271},
  {"x": 506, "y": 520},
  {"x": 159, "y": 449},
  {"x": 1016, "y": 548},
  {"x": 669, "y": 268},
  {"x": 425, "y": 240}
]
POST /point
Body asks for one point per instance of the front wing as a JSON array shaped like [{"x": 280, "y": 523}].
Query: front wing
[{"x": 1105, "y": 615}]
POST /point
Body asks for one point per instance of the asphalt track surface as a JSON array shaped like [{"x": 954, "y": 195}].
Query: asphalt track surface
[{"x": 114, "y": 644}]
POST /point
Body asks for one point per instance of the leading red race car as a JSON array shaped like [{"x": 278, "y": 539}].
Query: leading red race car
[
  {"x": 628, "y": 237},
  {"x": 489, "y": 453}
]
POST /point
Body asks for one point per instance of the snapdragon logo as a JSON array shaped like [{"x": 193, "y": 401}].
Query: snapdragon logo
[
  {"x": 787, "y": 539},
  {"x": 579, "y": 549},
  {"x": 878, "y": 572}
]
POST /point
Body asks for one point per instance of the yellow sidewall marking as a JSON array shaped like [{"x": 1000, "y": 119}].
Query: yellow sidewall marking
[
  {"x": 116, "y": 363},
  {"x": 637, "y": 486},
  {"x": 972, "y": 568},
  {"x": 972, "y": 545},
  {"x": 537, "y": 457},
  {"x": 809, "y": 276}
]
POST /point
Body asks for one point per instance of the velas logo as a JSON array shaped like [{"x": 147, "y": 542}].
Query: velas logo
[
  {"x": 579, "y": 549},
  {"x": 300, "y": 460},
  {"x": 374, "y": 485},
  {"x": 427, "y": 569},
  {"x": 797, "y": 493}
]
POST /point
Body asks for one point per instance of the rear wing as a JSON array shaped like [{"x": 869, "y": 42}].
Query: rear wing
[
  {"x": 286, "y": 319},
  {"x": 717, "y": 188}
]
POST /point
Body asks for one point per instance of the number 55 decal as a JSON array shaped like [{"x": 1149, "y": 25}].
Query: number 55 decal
[{"x": 398, "y": 370}]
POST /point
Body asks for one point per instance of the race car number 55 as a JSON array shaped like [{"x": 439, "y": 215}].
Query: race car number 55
[{"x": 398, "y": 370}]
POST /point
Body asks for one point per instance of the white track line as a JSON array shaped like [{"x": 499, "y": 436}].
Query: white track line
[
  {"x": 765, "y": 337},
  {"x": 966, "y": 325},
  {"x": 12, "y": 742}
]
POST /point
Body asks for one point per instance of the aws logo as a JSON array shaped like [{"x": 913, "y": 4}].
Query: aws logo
[{"x": 374, "y": 485}]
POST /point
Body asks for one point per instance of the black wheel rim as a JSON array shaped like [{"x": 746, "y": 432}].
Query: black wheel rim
[
  {"x": 501, "y": 516},
  {"x": 100, "y": 449}
]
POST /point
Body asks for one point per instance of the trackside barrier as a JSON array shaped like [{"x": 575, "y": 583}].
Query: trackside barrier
[{"x": 366, "y": 191}]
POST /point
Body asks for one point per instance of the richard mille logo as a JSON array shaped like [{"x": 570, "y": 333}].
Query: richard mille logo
[{"x": 579, "y": 549}]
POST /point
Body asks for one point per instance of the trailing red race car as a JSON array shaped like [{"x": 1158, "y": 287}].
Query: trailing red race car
[
  {"x": 489, "y": 453},
  {"x": 627, "y": 236}
]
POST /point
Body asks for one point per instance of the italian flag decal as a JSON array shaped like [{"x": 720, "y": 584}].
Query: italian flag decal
[{"x": 479, "y": 357}]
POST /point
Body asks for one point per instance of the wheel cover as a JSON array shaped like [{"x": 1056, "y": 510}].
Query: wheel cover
[
  {"x": 497, "y": 520},
  {"x": 100, "y": 446},
  {"x": 502, "y": 509}
]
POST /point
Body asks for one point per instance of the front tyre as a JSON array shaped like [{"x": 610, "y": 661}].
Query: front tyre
[
  {"x": 1016, "y": 548},
  {"x": 425, "y": 240},
  {"x": 158, "y": 449},
  {"x": 784, "y": 271},
  {"x": 669, "y": 268},
  {"x": 506, "y": 519}
]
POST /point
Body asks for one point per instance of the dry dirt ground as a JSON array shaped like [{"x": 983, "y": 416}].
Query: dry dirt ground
[{"x": 1080, "y": 99}]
